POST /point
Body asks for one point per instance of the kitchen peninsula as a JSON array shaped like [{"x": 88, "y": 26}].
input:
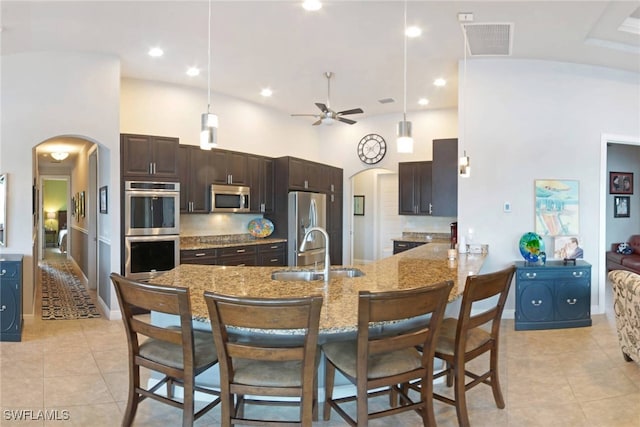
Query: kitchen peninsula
[{"x": 423, "y": 265}]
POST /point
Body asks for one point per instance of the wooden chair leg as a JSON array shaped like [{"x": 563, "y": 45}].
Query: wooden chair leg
[
  {"x": 362, "y": 403},
  {"x": 449, "y": 375},
  {"x": 426, "y": 396},
  {"x": 495, "y": 381},
  {"x": 460, "y": 395},
  {"x": 188, "y": 405},
  {"x": 314, "y": 403},
  {"x": 329, "y": 375},
  {"x": 133, "y": 398},
  {"x": 227, "y": 407},
  {"x": 170, "y": 388}
]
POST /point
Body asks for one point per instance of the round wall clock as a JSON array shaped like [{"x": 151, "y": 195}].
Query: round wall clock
[{"x": 372, "y": 148}]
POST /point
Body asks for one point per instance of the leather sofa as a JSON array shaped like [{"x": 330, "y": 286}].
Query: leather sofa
[
  {"x": 631, "y": 262},
  {"x": 626, "y": 305}
]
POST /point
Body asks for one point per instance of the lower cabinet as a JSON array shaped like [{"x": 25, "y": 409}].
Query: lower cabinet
[
  {"x": 268, "y": 254},
  {"x": 553, "y": 296},
  {"x": 10, "y": 297},
  {"x": 401, "y": 246}
]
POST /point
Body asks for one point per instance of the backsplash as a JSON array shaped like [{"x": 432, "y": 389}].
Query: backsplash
[
  {"x": 433, "y": 224},
  {"x": 215, "y": 224}
]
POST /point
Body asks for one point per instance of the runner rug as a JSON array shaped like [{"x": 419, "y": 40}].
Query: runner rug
[{"x": 64, "y": 297}]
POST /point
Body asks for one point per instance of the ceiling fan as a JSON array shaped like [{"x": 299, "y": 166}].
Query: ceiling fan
[{"x": 328, "y": 116}]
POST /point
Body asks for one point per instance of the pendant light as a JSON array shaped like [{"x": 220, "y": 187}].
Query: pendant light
[
  {"x": 405, "y": 140},
  {"x": 464, "y": 161},
  {"x": 209, "y": 122}
]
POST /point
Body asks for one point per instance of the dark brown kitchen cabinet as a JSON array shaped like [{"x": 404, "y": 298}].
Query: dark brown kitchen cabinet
[
  {"x": 444, "y": 177},
  {"x": 260, "y": 172},
  {"x": 147, "y": 157},
  {"x": 304, "y": 175},
  {"x": 414, "y": 191},
  {"x": 334, "y": 227},
  {"x": 274, "y": 254},
  {"x": 229, "y": 167},
  {"x": 331, "y": 179},
  {"x": 194, "y": 180},
  {"x": 199, "y": 256},
  {"x": 238, "y": 256}
]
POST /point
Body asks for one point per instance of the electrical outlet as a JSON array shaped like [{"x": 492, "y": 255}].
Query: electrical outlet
[{"x": 507, "y": 207}]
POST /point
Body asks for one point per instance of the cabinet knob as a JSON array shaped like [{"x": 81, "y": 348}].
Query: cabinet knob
[
  {"x": 530, "y": 275},
  {"x": 578, "y": 273},
  {"x": 536, "y": 303},
  {"x": 3, "y": 308},
  {"x": 3, "y": 272},
  {"x": 572, "y": 301}
]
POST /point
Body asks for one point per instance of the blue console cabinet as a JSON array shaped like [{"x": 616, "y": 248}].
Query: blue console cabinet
[
  {"x": 10, "y": 297},
  {"x": 553, "y": 295}
]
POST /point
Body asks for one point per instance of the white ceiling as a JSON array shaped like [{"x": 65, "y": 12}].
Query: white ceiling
[{"x": 256, "y": 44}]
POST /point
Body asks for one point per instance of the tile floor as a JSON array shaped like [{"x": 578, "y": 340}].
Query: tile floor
[{"x": 567, "y": 377}]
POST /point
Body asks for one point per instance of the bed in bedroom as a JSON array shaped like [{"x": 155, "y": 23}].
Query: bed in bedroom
[{"x": 62, "y": 233}]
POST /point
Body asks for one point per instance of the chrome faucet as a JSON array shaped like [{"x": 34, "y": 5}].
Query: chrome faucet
[{"x": 327, "y": 261}]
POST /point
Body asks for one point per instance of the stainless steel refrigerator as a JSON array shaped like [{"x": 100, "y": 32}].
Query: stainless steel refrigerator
[{"x": 306, "y": 210}]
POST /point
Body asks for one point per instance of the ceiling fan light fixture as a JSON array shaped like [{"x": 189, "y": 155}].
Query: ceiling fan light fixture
[
  {"x": 405, "y": 140},
  {"x": 60, "y": 155}
]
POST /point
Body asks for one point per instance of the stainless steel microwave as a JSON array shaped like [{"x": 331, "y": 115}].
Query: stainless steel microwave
[{"x": 229, "y": 198}]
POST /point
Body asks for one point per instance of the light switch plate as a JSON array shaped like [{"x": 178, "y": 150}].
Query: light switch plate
[{"x": 507, "y": 207}]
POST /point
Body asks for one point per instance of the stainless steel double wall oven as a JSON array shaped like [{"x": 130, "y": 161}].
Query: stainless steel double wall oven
[{"x": 151, "y": 228}]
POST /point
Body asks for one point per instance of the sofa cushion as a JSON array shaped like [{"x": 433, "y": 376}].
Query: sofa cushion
[
  {"x": 632, "y": 262},
  {"x": 634, "y": 242}
]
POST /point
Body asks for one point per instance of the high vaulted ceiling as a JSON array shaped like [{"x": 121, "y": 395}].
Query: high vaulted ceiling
[{"x": 277, "y": 44}]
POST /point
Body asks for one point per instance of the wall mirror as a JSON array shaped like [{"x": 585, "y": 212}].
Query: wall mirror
[{"x": 3, "y": 209}]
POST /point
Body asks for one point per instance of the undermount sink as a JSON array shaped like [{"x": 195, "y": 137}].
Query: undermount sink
[{"x": 309, "y": 276}]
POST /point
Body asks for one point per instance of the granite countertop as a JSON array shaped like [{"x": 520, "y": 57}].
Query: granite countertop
[
  {"x": 422, "y": 237},
  {"x": 426, "y": 264},
  {"x": 225, "y": 241}
]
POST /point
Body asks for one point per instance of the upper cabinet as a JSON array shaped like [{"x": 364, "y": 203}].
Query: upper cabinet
[
  {"x": 304, "y": 175},
  {"x": 149, "y": 157},
  {"x": 229, "y": 167},
  {"x": 260, "y": 173},
  {"x": 414, "y": 191},
  {"x": 444, "y": 177},
  {"x": 194, "y": 179},
  {"x": 430, "y": 188}
]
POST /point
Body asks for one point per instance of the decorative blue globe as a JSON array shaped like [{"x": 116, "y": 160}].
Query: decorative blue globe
[{"x": 531, "y": 246}]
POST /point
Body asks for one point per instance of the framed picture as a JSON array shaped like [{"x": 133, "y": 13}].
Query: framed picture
[
  {"x": 620, "y": 183},
  {"x": 103, "y": 200},
  {"x": 567, "y": 247},
  {"x": 621, "y": 206},
  {"x": 557, "y": 207},
  {"x": 358, "y": 205},
  {"x": 82, "y": 205}
]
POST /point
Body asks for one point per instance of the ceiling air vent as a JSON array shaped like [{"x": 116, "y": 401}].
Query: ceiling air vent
[
  {"x": 486, "y": 39},
  {"x": 386, "y": 100}
]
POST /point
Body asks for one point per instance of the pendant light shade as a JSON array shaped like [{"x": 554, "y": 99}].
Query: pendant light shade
[
  {"x": 209, "y": 131},
  {"x": 405, "y": 140},
  {"x": 209, "y": 121},
  {"x": 465, "y": 166}
]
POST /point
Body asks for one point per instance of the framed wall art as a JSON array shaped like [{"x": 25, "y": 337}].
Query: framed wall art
[
  {"x": 82, "y": 204},
  {"x": 557, "y": 207},
  {"x": 620, "y": 183},
  {"x": 102, "y": 200},
  {"x": 358, "y": 205},
  {"x": 621, "y": 206}
]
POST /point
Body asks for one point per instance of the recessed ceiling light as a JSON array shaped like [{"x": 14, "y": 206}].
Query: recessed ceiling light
[
  {"x": 193, "y": 71},
  {"x": 413, "y": 31},
  {"x": 266, "y": 92},
  {"x": 423, "y": 101},
  {"x": 156, "y": 52},
  {"x": 440, "y": 82},
  {"x": 311, "y": 5}
]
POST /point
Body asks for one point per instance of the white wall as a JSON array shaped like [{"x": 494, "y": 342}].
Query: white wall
[
  {"x": 530, "y": 120},
  {"x": 46, "y": 95}
]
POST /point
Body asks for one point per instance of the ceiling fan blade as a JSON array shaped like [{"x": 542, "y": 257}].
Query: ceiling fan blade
[
  {"x": 353, "y": 111},
  {"x": 347, "y": 121},
  {"x": 322, "y": 107},
  {"x": 319, "y": 122},
  {"x": 310, "y": 115}
]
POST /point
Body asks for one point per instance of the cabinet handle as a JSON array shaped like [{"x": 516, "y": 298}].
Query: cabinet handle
[
  {"x": 273, "y": 260},
  {"x": 401, "y": 245},
  {"x": 572, "y": 301},
  {"x": 262, "y": 208},
  {"x": 3, "y": 308},
  {"x": 155, "y": 167},
  {"x": 274, "y": 247},
  {"x": 530, "y": 275},
  {"x": 150, "y": 168},
  {"x": 536, "y": 303},
  {"x": 332, "y": 188},
  {"x": 241, "y": 265},
  {"x": 200, "y": 254},
  {"x": 240, "y": 251},
  {"x": 306, "y": 184},
  {"x": 333, "y": 198},
  {"x": 430, "y": 208},
  {"x": 230, "y": 179},
  {"x": 577, "y": 273},
  {"x": 3, "y": 272}
]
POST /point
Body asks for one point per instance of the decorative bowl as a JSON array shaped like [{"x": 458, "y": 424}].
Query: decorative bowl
[
  {"x": 260, "y": 227},
  {"x": 531, "y": 246}
]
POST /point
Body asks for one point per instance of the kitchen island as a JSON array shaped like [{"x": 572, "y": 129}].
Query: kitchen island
[{"x": 424, "y": 265}]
